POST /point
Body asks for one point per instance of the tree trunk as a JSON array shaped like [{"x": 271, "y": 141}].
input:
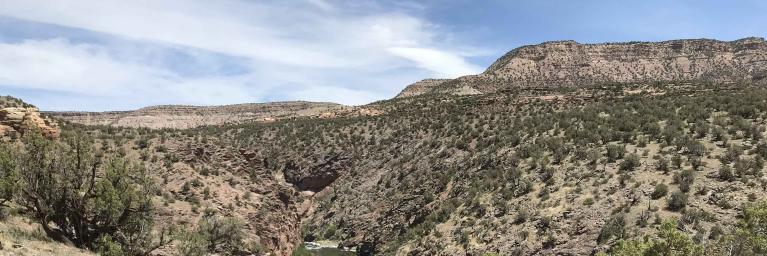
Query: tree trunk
[{"x": 57, "y": 235}]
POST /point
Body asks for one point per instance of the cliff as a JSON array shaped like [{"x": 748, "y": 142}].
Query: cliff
[{"x": 568, "y": 63}]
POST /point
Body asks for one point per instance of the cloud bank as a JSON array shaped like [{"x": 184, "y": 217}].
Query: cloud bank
[{"x": 137, "y": 53}]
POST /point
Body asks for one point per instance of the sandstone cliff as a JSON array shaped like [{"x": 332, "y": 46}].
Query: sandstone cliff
[
  {"x": 568, "y": 63},
  {"x": 18, "y": 118}
]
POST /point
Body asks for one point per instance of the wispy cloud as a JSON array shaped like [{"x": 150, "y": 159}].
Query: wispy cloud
[
  {"x": 265, "y": 50},
  {"x": 445, "y": 64}
]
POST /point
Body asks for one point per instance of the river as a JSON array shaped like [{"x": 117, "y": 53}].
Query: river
[{"x": 321, "y": 249}]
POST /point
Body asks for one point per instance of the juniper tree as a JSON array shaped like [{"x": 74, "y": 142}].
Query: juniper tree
[
  {"x": 8, "y": 173},
  {"x": 92, "y": 202}
]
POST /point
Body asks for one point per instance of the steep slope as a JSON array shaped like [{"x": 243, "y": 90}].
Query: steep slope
[
  {"x": 183, "y": 117},
  {"x": 568, "y": 63},
  {"x": 532, "y": 174}
]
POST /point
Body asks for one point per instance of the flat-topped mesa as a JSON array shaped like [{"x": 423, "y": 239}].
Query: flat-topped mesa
[
  {"x": 183, "y": 116},
  {"x": 568, "y": 63},
  {"x": 283, "y": 106}
]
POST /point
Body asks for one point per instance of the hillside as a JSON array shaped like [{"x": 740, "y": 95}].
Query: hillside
[
  {"x": 559, "y": 159},
  {"x": 568, "y": 63}
]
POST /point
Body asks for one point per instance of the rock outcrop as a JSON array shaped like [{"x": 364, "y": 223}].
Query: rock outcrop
[
  {"x": 568, "y": 63},
  {"x": 24, "y": 120}
]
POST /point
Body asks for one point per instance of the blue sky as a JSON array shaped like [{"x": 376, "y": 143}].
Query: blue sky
[{"x": 116, "y": 55}]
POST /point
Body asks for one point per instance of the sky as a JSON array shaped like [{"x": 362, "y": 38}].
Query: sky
[{"x": 98, "y": 55}]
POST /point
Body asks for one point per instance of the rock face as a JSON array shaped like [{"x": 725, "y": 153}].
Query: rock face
[
  {"x": 568, "y": 63},
  {"x": 23, "y": 120},
  {"x": 182, "y": 117}
]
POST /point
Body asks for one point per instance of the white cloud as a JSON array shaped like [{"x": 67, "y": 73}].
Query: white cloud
[
  {"x": 89, "y": 70},
  {"x": 59, "y": 66},
  {"x": 442, "y": 63},
  {"x": 306, "y": 49}
]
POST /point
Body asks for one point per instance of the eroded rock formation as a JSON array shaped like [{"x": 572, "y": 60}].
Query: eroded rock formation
[{"x": 23, "y": 120}]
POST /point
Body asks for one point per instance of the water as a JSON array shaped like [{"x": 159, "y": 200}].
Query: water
[{"x": 304, "y": 251}]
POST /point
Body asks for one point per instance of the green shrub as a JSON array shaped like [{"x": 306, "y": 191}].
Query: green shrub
[
  {"x": 725, "y": 173},
  {"x": 613, "y": 228},
  {"x": 670, "y": 241},
  {"x": 685, "y": 179},
  {"x": 214, "y": 234},
  {"x": 630, "y": 162},
  {"x": 677, "y": 201},
  {"x": 615, "y": 152},
  {"x": 330, "y": 232},
  {"x": 676, "y": 161},
  {"x": 732, "y": 153},
  {"x": 106, "y": 246},
  {"x": 660, "y": 191},
  {"x": 695, "y": 162},
  {"x": 750, "y": 237},
  {"x": 662, "y": 165},
  {"x": 142, "y": 143},
  {"x": 715, "y": 232}
]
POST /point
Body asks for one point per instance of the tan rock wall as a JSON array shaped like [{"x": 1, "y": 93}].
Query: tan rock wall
[{"x": 24, "y": 120}]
